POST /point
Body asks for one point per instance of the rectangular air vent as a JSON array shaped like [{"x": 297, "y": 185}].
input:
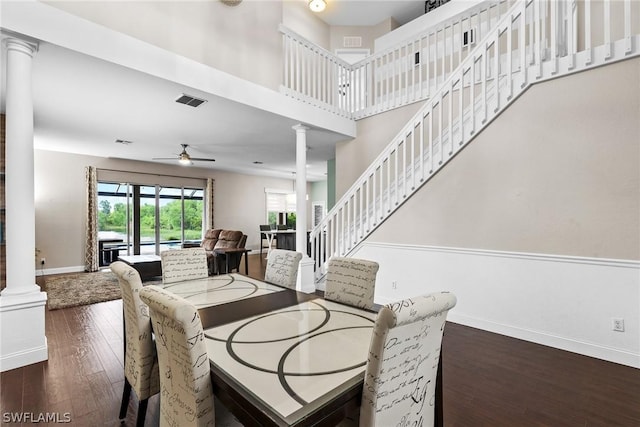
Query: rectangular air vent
[
  {"x": 123, "y": 142},
  {"x": 352, "y": 41},
  {"x": 189, "y": 100}
]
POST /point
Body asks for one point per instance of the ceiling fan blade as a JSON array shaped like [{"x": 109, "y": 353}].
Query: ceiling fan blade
[
  {"x": 163, "y": 158},
  {"x": 203, "y": 160}
]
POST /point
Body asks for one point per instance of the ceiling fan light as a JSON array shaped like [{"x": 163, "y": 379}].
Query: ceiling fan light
[{"x": 317, "y": 5}]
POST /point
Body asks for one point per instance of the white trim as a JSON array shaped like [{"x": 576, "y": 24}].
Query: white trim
[
  {"x": 61, "y": 270},
  {"x": 623, "y": 263},
  {"x": 563, "y": 301},
  {"x": 575, "y": 346},
  {"x": 278, "y": 191},
  {"x": 24, "y": 358}
]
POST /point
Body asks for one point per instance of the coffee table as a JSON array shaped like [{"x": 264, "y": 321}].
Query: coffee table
[{"x": 147, "y": 265}]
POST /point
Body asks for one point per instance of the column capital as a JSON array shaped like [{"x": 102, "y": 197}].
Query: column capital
[
  {"x": 300, "y": 128},
  {"x": 22, "y": 46}
]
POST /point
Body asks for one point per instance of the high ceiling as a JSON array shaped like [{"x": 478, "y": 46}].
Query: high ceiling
[
  {"x": 83, "y": 105},
  {"x": 371, "y": 12}
]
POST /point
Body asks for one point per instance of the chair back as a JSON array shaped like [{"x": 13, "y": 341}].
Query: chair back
[
  {"x": 282, "y": 268},
  {"x": 400, "y": 377},
  {"x": 351, "y": 281},
  {"x": 210, "y": 238},
  {"x": 264, "y": 227},
  {"x": 140, "y": 362},
  {"x": 186, "y": 393},
  {"x": 184, "y": 264},
  {"x": 229, "y": 239}
]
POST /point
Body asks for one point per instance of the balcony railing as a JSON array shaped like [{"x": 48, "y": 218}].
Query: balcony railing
[{"x": 406, "y": 73}]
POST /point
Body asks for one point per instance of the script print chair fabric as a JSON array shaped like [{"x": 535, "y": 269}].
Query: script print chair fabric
[
  {"x": 179, "y": 265},
  {"x": 140, "y": 361},
  {"x": 402, "y": 366},
  {"x": 351, "y": 281},
  {"x": 186, "y": 394},
  {"x": 282, "y": 268}
]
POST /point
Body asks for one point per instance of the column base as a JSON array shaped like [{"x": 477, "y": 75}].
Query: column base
[
  {"x": 23, "y": 339},
  {"x": 306, "y": 282}
]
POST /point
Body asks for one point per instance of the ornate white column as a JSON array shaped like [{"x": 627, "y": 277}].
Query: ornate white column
[
  {"x": 305, "y": 271},
  {"x": 23, "y": 339}
]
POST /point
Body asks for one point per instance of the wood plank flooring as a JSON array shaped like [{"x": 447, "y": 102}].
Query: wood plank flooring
[{"x": 489, "y": 379}]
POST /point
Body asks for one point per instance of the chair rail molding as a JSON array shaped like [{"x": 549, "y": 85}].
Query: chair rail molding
[{"x": 556, "y": 300}]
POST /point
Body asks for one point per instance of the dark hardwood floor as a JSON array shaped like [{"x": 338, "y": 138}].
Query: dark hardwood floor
[{"x": 489, "y": 379}]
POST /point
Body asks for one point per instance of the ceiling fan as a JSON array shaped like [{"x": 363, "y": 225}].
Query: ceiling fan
[{"x": 185, "y": 158}]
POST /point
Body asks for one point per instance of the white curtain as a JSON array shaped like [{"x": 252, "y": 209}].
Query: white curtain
[
  {"x": 209, "y": 204},
  {"x": 91, "y": 246}
]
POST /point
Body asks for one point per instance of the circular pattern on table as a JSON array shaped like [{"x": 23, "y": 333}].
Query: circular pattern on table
[
  {"x": 320, "y": 317},
  {"x": 216, "y": 290}
]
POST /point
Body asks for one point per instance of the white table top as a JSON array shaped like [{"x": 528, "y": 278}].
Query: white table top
[
  {"x": 279, "y": 232},
  {"x": 294, "y": 359},
  {"x": 222, "y": 289}
]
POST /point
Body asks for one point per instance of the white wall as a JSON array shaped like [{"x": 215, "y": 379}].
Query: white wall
[
  {"x": 297, "y": 17},
  {"x": 557, "y": 173},
  {"x": 60, "y": 200},
  {"x": 238, "y": 40},
  {"x": 563, "y": 302}
]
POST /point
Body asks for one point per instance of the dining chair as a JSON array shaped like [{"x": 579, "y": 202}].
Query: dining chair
[
  {"x": 351, "y": 281},
  {"x": 184, "y": 264},
  {"x": 402, "y": 366},
  {"x": 263, "y": 236},
  {"x": 185, "y": 378},
  {"x": 140, "y": 361},
  {"x": 282, "y": 268}
]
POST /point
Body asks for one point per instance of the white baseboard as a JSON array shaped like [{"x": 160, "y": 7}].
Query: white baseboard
[
  {"x": 565, "y": 302},
  {"x": 562, "y": 343},
  {"x": 24, "y": 358},
  {"x": 60, "y": 270}
]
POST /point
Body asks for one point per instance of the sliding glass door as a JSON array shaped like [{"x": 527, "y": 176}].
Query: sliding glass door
[{"x": 146, "y": 219}]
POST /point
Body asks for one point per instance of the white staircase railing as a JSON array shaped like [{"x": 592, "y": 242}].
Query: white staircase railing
[
  {"x": 397, "y": 76},
  {"x": 535, "y": 40}
]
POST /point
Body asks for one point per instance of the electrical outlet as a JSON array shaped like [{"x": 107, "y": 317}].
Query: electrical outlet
[
  {"x": 394, "y": 285},
  {"x": 617, "y": 324},
  {"x": 42, "y": 261}
]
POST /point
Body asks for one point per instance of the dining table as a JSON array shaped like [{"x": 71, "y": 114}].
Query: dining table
[{"x": 279, "y": 357}]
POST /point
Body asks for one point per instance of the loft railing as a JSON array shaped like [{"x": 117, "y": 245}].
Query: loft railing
[
  {"x": 397, "y": 76},
  {"x": 535, "y": 40}
]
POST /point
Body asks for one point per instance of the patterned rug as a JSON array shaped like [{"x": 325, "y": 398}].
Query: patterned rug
[{"x": 72, "y": 290}]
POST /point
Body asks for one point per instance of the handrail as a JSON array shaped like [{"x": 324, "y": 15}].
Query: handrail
[{"x": 524, "y": 46}]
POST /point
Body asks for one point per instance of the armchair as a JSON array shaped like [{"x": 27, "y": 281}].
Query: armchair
[{"x": 218, "y": 238}]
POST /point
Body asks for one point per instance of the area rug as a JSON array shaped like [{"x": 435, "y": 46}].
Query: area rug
[{"x": 72, "y": 290}]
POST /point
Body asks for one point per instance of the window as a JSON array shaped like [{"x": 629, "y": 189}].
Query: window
[
  {"x": 281, "y": 208},
  {"x": 147, "y": 219}
]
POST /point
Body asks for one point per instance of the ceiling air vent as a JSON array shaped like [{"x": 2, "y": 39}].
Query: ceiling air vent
[
  {"x": 123, "y": 142},
  {"x": 352, "y": 41},
  {"x": 189, "y": 100}
]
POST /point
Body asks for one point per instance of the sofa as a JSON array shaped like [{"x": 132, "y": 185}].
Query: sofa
[{"x": 219, "y": 238}]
